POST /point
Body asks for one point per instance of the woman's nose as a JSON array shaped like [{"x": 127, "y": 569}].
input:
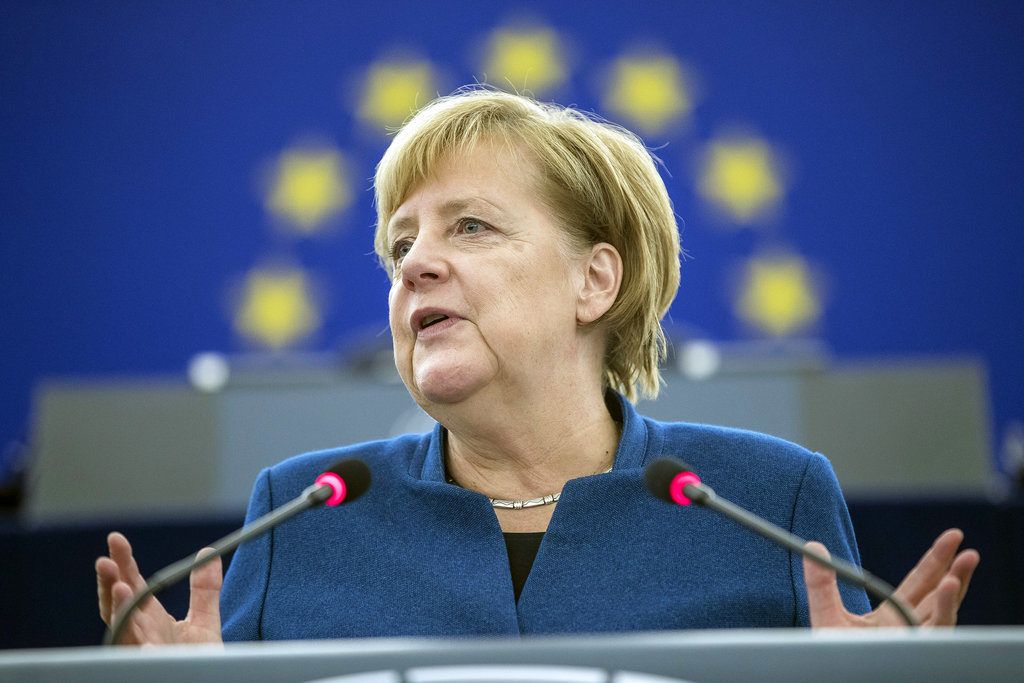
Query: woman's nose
[{"x": 425, "y": 264}]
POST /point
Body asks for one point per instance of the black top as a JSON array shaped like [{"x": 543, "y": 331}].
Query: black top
[{"x": 522, "y": 550}]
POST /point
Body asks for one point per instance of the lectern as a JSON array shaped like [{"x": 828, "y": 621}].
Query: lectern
[{"x": 965, "y": 654}]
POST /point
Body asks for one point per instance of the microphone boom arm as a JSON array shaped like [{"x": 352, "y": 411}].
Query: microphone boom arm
[
  {"x": 706, "y": 496},
  {"x": 315, "y": 495}
]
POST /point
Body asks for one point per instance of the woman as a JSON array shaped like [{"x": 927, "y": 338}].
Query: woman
[{"x": 532, "y": 253}]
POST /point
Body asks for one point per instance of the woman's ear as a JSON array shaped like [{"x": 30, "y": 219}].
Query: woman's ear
[{"x": 602, "y": 277}]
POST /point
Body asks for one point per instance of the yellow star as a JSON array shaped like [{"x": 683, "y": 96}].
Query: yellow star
[
  {"x": 276, "y": 308},
  {"x": 777, "y": 295},
  {"x": 650, "y": 91},
  {"x": 525, "y": 58},
  {"x": 308, "y": 187},
  {"x": 741, "y": 176},
  {"x": 394, "y": 90}
]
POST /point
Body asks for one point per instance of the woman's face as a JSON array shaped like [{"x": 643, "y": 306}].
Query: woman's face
[{"x": 484, "y": 290}]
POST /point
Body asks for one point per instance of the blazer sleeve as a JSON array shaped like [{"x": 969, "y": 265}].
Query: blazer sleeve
[
  {"x": 245, "y": 585},
  {"x": 820, "y": 514}
]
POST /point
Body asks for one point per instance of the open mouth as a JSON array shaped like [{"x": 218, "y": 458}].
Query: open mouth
[{"x": 432, "y": 320}]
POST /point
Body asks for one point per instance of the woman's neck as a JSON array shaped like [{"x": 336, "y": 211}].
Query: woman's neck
[{"x": 529, "y": 451}]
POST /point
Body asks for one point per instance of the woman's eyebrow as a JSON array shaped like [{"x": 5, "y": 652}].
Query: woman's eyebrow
[
  {"x": 400, "y": 224},
  {"x": 456, "y": 206},
  {"x": 452, "y": 207}
]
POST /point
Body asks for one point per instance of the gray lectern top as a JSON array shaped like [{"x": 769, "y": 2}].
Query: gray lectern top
[{"x": 964, "y": 654}]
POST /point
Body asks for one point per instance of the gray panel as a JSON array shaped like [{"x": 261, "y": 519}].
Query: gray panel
[
  {"x": 108, "y": 449},
  {"x": 786, "y": 656},
  {"x": 260, "y": 426},
  {"x": 762, "y": 402},
  {"x": 147, "y": 447},
  {"x": 895, "y": 428}
]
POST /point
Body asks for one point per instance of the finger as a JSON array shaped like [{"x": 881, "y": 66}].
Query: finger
[
  {"x": 106, "y": 576},
  {"x": 121, "y": 553},
  {"x": 963, "y": 569},
  {"x": 121, "y": 594},
  {"x": 823, "y": 600},
  {"x": 933, "y": 565},
  {"x": 204, "y": 603},
  {"x": 945, "y": 605},
  {"x": 149, "y": 622}
]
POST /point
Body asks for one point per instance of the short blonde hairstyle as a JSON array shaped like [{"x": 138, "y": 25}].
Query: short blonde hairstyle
[{"x": 598, "y": 179}]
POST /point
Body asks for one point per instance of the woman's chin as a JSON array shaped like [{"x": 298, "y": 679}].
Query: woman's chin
[{"x": 445, "y": 386}]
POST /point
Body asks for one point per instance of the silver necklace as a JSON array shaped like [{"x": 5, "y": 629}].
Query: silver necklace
[{"x": 504, "y": 504}]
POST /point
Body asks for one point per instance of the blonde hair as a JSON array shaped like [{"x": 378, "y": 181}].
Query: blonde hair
[{"x": 598, "y": 179}]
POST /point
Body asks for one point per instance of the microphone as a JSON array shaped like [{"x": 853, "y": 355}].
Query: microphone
[
  {"x": 673, "y": 481},
  {"x": 343, "y": 482}
]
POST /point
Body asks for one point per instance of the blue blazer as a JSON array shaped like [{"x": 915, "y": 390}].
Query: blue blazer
[{"x": 416, "y": 556}]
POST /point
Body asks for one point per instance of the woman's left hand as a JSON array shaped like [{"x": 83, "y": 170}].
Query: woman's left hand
[{"x": 933, "y": 589}]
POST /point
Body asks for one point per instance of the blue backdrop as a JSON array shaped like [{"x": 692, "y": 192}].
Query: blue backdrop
[{"x": 178, "y": 177}]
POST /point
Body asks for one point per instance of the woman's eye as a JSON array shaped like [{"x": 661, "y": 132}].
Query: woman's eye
[
  {"x": 400, "y": 249},
  {"x": 472, "y": 227}
]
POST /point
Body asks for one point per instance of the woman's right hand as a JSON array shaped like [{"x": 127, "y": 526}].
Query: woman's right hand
[{"x": 118, "y": 579}]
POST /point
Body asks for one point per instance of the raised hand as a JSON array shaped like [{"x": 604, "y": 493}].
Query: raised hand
[
  {"x": 933, "y": 589},
  {"x": 118, "y": 579}
]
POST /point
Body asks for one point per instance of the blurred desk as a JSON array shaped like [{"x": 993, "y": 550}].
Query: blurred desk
[
  {"x": 784, "y": 655},
  {"x": 145, "y": 446}
]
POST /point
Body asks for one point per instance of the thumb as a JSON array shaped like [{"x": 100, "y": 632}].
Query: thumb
[
  {"x": 204, "y": 601},
  {"x": 823, "y": 600}
]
